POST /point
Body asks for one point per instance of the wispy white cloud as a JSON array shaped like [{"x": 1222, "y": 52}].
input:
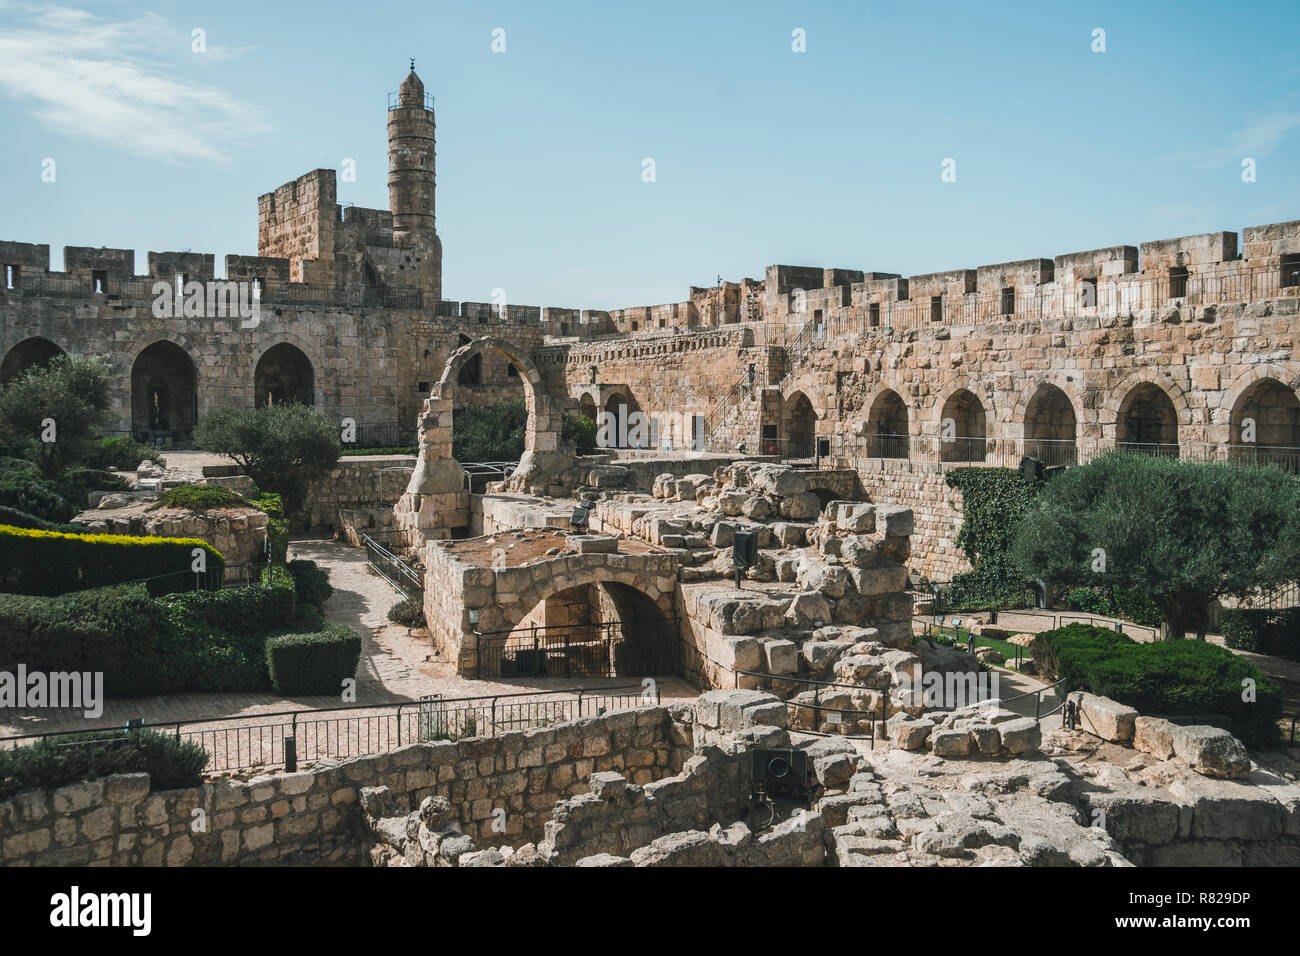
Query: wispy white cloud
[
  {"x": 122, "y": 83},
  {"x": 1259, "y": 137}
]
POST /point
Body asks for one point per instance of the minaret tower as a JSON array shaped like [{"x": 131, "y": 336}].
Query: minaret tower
[{"x": 411, "y": 176}]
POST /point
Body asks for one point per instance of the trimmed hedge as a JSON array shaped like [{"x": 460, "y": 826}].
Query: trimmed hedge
[
  {"x": 312, "y": 583},
  {"x": 35, "y": 561},
  {"x": 1169, "y": 677},
  {"x": 255, "y": 609},
  {"x": 53, "y": 762},
  {"x": 1263, "y": 631},
  {"x": 315, "y": 663}
]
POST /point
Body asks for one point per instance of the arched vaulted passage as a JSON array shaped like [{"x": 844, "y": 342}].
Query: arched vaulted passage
[
  {"x": 1266, "y": 425},
  {"x": 284, "y": 376},
  {"x": 164, "y": 394},
  {"x": 1148, "y": 421},
  {"x": 35, "y": 352},
  {"x": 1051, "y": 427},
  {"x": 887, "y": 427},
  {"x": 798, "y": 426},
  {"x": 963, "y": 429}
]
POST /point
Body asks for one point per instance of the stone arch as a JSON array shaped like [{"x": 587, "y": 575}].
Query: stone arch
[
  {"x": 798, "y": 426},
  {"x": 1059, "y": 380},
  {"x": 963, "y": 427},
  {"x": 164, "y": 393},
  {"x": 1147, "y": 420},
  {"x": 596, "y": 628},
  {"x": 1108, "y": 416},
  {"x": 1051, "y": 426},
  {"x": 1265, "y": 421},
  {"x": 284, "y": 375},
  {"x": 36, "y": 351},
  {"x": 471, "y": 373},
  {"x": 888, "y": 426}
]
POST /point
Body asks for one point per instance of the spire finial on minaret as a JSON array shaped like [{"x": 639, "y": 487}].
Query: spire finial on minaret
[{"x": 412, "y": 64}]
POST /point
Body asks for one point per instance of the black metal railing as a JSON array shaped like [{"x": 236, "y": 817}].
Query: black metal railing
[
  {"x": 258, "y": 740},
  {"x": 640, "y": 648},
  {"x": 382, "y": 435},
  {"x": 816, "y": 715},
  {"x": 393, "y": 569}
]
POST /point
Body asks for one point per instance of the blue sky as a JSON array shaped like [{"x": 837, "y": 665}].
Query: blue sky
[{"x": 829, "y": 157}]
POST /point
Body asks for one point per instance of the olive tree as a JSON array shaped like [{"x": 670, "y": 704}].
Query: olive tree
[
  {"x": 283, "y": 448},
  {"x": 1182, "y": 532},
  {"x": 52, "y": 414}
]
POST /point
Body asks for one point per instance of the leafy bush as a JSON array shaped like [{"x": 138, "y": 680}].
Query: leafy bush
[
  {"x": 1115, "y": 602},
  {"x": 75, "y": 393},
  {"x": 315, "y": 663},
  {"x": 495, "y": 433},
  {"x": 199, "y": 498},
  {"x": 1263, "y": 631},
  {"x": 74, "y": 485},
  {"x": 54, "y": 762},
  {"x": 24, "y": 490},
  {"x": 277, "y": 528},
  {"x": 123, "y": 453},
  {"x": 311, "y": 582},
  {"x": 21, "y": 519},
  {"x": 1169, "y": 677},
  {"x": 407, "y": 612},
  {"x": 580, "y": 432},
  {"x": 255, "y": 609},
  {"x": 33, "y": 561}
]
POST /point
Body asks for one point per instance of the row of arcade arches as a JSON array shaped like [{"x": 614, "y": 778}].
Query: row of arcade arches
[
  {"x": 165, "y": 382},
  {"x": 1266, "y": 415}
]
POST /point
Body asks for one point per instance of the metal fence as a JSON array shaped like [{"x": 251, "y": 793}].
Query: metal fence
[
  {"x": 382, "y": 435},
  {"x": 641, "y": 648},
  {"x": 813, "y": 716},
  {"x": 258, "y": 741},
  {"x": 393, "y": 569}
]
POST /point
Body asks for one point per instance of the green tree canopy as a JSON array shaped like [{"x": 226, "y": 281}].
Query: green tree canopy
[
  {"x": 283, "y": 448},
  {"x": 66, "y": 401},
  {"x": 1182, "y": 532},
  {"x": 494, "y": 433}
]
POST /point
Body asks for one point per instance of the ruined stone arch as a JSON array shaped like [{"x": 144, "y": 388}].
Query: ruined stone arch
[
  {"x": 962, "y": 428},
  {"x": 543, "y": 431},
  {"x": 34, "y": 350},
  {"x": 889, "y": 425},
  {"x": 798, "y": 425}
]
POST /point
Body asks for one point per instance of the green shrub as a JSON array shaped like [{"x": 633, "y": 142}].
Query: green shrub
[
  {"x": 315, "y": 663},
  {"x": 254, "y": 609},
  {"x": 123, "y": 453},
  {"x": 495, "y": 433},
  {"x": 277, "y": 527},
  {"x": 311, "y": 582},
  {"x": 35, "y": 561},
  {"x": 199, "y": 498},
  {"x": 56, "y": 761},
  {"x": 27, "y": 491},
  {"x": 1115, "y": 602},
  {"x": 110, "y": 630},
  {"x": 407, "y": 612},
  {"x": 993, "y": 502},
  {"x": 21, "y": 519},
  {"x": 1263, "y": 631},
  {"x": 580, "y": 432},
  {"x": 75, "y": 484},
  {"x": 1164, "y": 678}
]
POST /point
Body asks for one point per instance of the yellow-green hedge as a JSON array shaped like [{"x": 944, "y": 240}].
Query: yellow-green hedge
[{"x": 51, "y": 562}]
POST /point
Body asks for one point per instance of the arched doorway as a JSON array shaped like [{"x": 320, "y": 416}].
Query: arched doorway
[
  {"x": 798, "y": 426},
  {"x": 962, "y": 428},
  {"x": 600, "y": 629},
  {"x": 887, "y": 427},
  {"x": 1266, "y": 425},
  {"x": 619, "y": 429},
  {"x": 1051, "y": 427},
  {"x": 35, "y": 352},
  {"x": 1147, "y": 422},
  {"x": 164, "y": 394},
  {"x": 284, "y": 376}
]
